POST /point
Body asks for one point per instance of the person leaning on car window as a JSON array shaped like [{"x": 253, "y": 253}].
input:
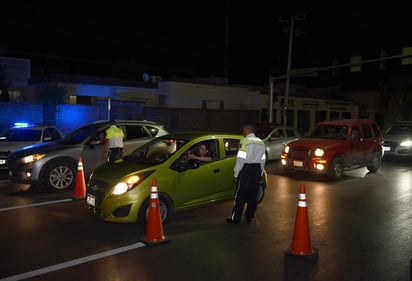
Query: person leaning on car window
[
  {"x": 203, "y": 155},
  {"x": 114, "y": 142}
]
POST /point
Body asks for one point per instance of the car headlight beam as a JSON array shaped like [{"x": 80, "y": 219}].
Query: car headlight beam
[
  {"x": 32, "y": 158},
  {"x": 129, "y": 183},
  {"x": 406, "y": 143},
  {"x": 319, "y": 152}
]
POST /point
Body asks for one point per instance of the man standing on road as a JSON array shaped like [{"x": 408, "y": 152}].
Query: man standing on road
[
  {"x": 114, "y": 142},
  {"x": 250, "y": 163}
]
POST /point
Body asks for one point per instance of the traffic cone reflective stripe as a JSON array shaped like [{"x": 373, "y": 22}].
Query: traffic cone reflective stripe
[
  {"x": 80, "y": 186},
  {"x": 301, "y": 245},
  {"x": 154, "y": 228}
]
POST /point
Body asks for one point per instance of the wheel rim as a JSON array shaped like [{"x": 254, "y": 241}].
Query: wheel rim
[
  {"x": 338, "y": 169},
  {"x": 163, "y": 210},
  {"x": 61, "y": 177}
]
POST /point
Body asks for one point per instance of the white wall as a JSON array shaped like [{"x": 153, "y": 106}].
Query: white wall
[{"x": 190, "y": 95}]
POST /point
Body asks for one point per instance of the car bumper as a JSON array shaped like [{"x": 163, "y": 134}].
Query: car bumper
[
  {"x": 397, "y": 151},
  {"x": 120, "y": 209},
  {"x": 314, "y": 166},
  {"x": 23, "y": 173}
]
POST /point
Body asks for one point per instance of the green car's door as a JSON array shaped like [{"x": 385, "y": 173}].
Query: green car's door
[{"x": 203, "y": 182}]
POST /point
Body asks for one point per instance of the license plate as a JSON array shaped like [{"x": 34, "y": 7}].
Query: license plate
[
  {"x": 297, "y": 163},
  {"x": 2, "y": 161},
  {"x": 386, "y": 148},
  {"x": 91, "y": 200}
]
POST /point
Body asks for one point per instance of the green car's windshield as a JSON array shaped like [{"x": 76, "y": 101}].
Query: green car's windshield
[
  {"x": 329, "y": 132},
  {"x": 156, "y": 151}
]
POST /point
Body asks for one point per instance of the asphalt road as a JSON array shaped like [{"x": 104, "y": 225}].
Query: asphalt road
[{"x": 361, "y": 227}]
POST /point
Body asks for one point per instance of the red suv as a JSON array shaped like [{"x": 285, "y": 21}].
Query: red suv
[{"x": 334, "y": 146}]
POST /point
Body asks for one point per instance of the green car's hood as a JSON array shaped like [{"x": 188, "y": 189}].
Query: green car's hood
[{"x": 119, "y": 169}]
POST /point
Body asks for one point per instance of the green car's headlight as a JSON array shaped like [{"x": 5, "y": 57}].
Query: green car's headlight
[{"x": 129, "y": 183}]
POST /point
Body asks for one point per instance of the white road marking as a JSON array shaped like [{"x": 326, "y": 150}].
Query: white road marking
[
  {"x": 35, "y": 205},
  {"x": 78, "y": 261}
]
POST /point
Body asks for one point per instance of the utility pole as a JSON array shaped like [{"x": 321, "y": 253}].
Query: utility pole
[{"x": 291, "y": 22}]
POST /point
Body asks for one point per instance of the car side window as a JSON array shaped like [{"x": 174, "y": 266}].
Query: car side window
[
  {"x": 290, "y": 133},
  {"x": 376, "y": 130},
  {"x": 54, "y": 134},
  {"x": 231, "y": 147},
  {"x": 277, "y": 134},
  {"x": 367, "y": 132},
  {"x": 135, "y": 132},
  {"x": 153, "y": 130},
  {"x": 355, "y": 133}
]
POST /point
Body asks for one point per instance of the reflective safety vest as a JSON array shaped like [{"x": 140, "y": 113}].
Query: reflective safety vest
[{"x": 251, "y": 150}]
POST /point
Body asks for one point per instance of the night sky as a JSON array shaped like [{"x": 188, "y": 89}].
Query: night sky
[{"x": 248, "y": 40}]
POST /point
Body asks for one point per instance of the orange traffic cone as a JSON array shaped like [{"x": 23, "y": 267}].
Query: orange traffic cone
[
  {"x": 80, "y": 187},
  {"x": 301, "y": 245},
  {"x": 154, "y": 229}
]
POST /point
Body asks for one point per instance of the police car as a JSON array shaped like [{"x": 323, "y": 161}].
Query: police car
[{"x": 24, "y": 135}]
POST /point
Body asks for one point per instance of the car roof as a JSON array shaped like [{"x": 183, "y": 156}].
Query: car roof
[
  {"x": 198, "y": 134},
  {"x": 407, "y": 123},
  {"x": 260, "y": 126},
  {"x": 39, "y": 127},
  {"x": 345, "y": 122},
  {"x": 99, "y": 122}
]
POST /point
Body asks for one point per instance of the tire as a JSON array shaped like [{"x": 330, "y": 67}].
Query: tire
[
  {"x": 375, "y": 162},
  {"x": 261, "y": 191},
  {"x": 60, "y": 176},
  {"x": 336, "y": 169},
  {"x": 165, "y": 207}
]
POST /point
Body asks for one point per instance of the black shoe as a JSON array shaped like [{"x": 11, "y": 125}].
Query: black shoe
[
  {"x": 229, "y": 220},
  {"x": 248, "y": 220}
]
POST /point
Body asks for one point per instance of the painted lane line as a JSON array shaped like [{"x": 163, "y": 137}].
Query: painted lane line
[
  {"x": 78, "y": 261},
  {"x": 35, "y": 205}
]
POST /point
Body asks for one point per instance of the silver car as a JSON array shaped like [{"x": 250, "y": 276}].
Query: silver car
[
  {"x": 275, "y": 137},
  {"x": 54, "y": 165},
  {"x": 398, "y": 140},
  {"x": 22, "y": 135}
]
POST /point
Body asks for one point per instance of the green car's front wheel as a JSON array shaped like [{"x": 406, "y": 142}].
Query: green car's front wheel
[{"x": 165, "y": 207}]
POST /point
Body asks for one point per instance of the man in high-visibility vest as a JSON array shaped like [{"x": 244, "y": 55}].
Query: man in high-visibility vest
[
  {"x": 250, "y": 163},
  {"x": 114, "y": 142}
]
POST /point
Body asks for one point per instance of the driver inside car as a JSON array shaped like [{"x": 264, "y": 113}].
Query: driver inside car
[{"x": 201, "y": 154}]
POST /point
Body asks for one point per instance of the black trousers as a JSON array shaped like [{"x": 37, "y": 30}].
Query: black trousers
[
  {"x": 114, "y": 153},
  {"x": 247, "y": 191}
]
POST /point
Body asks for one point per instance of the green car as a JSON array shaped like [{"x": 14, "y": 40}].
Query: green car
[{"x": 120, "y": 191}]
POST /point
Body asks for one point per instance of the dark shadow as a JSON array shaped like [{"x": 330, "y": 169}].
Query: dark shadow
[{"x": 299, "y": 268}]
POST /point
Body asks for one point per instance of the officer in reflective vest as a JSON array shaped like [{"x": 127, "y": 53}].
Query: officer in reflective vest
[
  {"x": 114, "y": 142},
  {"x": 250, "y": 163}
]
